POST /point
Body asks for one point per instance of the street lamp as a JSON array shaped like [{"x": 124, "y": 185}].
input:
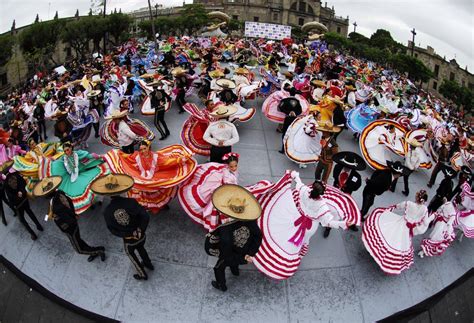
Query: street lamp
[
  {"x": 413, "y": 42},
  {"x": 355, "y": 26}
]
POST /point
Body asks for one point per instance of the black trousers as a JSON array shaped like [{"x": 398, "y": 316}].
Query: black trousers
[
  {"x": 180, "y": 99},
  {"x": 20, "y": 211},
  {"x": 160, "y": 123},
  {"x": 368, "y": 198},
  {"x": 80, "y": 245},
  {"x": 219, "y": 270},
  {"x": 435, "y": 203},
  {"x": 3, "y": 198},
  {"x": 132, "y": 245},
  {"x": 435, "y": 172},
  {"x": 405, "y": 182},
  {"x": 96, "y": 129},
  {"x": 42, "y": 129},
  {"x": 218, "y": 152},
  {"x": 130, "y": 149}
]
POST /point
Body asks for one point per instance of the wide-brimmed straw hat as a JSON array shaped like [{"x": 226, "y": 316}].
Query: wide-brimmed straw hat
[
  {"x": 226, "y": 84},
  {"x": 117, "y": 114},
  {"x": 216, "y": 74},
  {"x": 6, "y": 166},
  {"x": 236, "y": 202},
  {"x": 224, "y": 111},
  {"x": 318, "y": 83},
  {"x": 327, "y": 127},
  {"x": 413, "y": 142},
  {"x": 155, "y": 82},
  {"x": 178, "y": 71},
  {"x": 93, "y": 93},
  {"x": 147, "y": 75},
  {"x": 336, "y": 100},
  {"x": 112, "y": 184},
  {"x": 46, "y": 186},
  {"x": 350, "y": 160},
  {"x": 241, "y": 70}
]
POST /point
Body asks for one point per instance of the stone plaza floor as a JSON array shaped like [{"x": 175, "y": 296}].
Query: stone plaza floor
[{"x": 338, "y": 281}]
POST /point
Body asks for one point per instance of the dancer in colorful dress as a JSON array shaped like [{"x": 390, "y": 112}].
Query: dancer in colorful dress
[
  {"x": 388, "y": 236},
  {"x": 195, "y": 126},
  {"x": 290, "y": 217},
  {"x": 28, "y": 164},
  {"x": 77, "y": 169},
  {"x": 465, "y": 216},
  {"x": 442, "y": 234},
  {"x": 122, "y": 132},
  {"x": 195, "y": 195},
  {"x": 156, "y": 174}
]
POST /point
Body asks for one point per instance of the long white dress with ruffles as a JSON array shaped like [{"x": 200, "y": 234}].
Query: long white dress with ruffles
[
  {"x": 290, "y": 218},
  {"x": 387, "y": 236}
]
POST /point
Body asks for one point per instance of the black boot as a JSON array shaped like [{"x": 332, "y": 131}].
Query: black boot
[
  {"x": 353, "y": 228},
  {"x": 235, "y": 271},
  {"x": 138, "y": 277},
  {"x": 91, "y": 258},
  {"x": 216, "y": 285},
  {"x": 326, "y": 232},
  {"x": 148, "y": 265}
]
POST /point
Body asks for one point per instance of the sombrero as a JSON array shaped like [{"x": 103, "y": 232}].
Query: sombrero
[
  {"x": 466, "y": 170},
  {"x": 350, "y": 88},
  {"x": 154, "y": 83},
  {"x": 318, "y": 83},
  {"x": 216, "y": 73},
  {"x": 288, "y": 74},
  {"x": 226, "y": 84},
  {"x": 448, "y": 171},
  {"x": 6, "y": 166},
  {"x": 178, "y": 71},
  {"x": 241, "y": 70},
  {"x": 327, "y": 127},
  {"x": 236, "y": 202},
  {"x": 413, "y": 142},
  {"x": 46, "y": 186},
  {"x": 15, "y": 123},
  {"x": 398, "y": 167},
  {"x": 224, "y": 111},
  {"x": 117, "y": 114},
  {"x": 336, "y": 100},
  {"x": 350, "y": 160},
  {"x": 112, "y": 184},
  {"x": 147, "y": 75},
  {"x": 93, "y": 93}
]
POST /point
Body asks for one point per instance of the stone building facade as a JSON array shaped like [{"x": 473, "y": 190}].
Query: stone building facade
[
  {"x": 441, "y": 68},
  {"x": 285, "y": 12}
]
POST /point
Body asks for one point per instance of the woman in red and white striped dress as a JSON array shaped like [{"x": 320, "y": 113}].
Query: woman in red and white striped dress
[
  {"x": 290, "y": 217},
  {"x": 387, "y": 236},
  {"x": 442, "y": 234},
  {"x": 465, "y": 216}
]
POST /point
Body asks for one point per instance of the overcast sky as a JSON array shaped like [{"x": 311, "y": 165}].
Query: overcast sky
[{"x": 446, "y": 25}]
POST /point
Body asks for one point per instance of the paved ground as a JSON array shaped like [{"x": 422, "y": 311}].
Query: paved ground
[{"x": 338, "y": 281}]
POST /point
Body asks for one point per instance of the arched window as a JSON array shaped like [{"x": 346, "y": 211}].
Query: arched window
[{"x": 302, "y": 6}]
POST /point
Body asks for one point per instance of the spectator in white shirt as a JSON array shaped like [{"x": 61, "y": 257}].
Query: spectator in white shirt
[{"x": 221, "y": 134}]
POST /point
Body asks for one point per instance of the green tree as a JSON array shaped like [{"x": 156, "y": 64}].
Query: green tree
[
  {"x": 117, "y": 26},
  {"x": 235, "y": 25},
  {"x": 39, "y": 40},
  {"x": 460, "y": 95},
  {"x": 381, "y": 39},
  {"x": 415, "y": 68},
  {"x": 6, "y": 46},
  {"x": 75, "y": 33},
  {"x": 336, "y": 40},
  {"x": 358, "y": 38}
]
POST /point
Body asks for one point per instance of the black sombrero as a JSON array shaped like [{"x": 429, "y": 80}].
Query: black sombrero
[{"x": 350, "y": 160}]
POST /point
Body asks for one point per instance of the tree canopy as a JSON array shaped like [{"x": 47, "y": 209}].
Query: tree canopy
[
  {"x": 6, "y": 46},
  {"x": 460, "y": 95}
]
